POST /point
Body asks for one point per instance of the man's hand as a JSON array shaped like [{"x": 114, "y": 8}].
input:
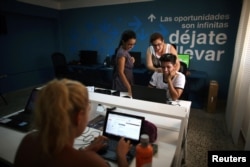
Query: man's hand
[{"x": 171, "y": 75}]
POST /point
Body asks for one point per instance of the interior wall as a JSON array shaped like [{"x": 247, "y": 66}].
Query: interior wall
[
  {"x": 209, "y": 39},
  {"x": 206, "y": 31},
  {"x": 30, "y": 38}
]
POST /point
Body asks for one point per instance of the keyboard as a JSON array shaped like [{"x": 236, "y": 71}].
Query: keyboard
[{"x": 112, "y": 144}]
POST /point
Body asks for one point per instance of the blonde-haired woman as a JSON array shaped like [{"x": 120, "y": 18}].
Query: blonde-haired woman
[{"x": 62, "y": 110}]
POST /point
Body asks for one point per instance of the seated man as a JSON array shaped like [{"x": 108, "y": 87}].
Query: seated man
[{"x": 171, "y": 80}]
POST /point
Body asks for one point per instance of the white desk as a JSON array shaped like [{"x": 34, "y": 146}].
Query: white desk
[
  {"x": 9, "y": 142},
  {"x": 162, "y": 158},
  {"x": 171, "y": 122}
]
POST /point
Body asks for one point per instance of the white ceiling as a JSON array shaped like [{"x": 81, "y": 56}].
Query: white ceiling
[{"x": 69, "y": 4}]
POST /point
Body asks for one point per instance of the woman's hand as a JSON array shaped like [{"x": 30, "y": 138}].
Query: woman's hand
[
  {"x": 159, "y": 70},
  {"x": 97, "y": 144},
  {"x": 130, "y": 92},
  {"x": 123, "y": 147},
  {"x": 132, "y": 59}
]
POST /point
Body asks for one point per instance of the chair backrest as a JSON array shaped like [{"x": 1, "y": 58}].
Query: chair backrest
[
  {"x": 59, "y": 64},
  {"x": 183, "y": 68}
]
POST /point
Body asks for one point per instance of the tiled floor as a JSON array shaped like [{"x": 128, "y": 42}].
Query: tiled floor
[{"x": 207, "y": 132}]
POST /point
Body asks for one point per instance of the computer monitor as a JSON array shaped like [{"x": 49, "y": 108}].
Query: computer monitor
[
  {"x": 137, "y": 56},
  {"x": 88, "y": 57},
  {"x": 185, "y": 58}
]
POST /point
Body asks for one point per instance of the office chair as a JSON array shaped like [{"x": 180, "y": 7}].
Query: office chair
[
  {"x": 183, "y": 69},
  {"x": 60, "y": 65},
  {"x": 5, "y": 101}
]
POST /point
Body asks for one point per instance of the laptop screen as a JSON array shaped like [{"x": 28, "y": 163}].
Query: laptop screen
[
  {"x": 30, "y": 105},
  {"x": 22, "y": 121},
  {"x": 123, "y": 125}
]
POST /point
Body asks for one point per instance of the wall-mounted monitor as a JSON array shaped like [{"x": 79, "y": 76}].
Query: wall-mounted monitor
[{"x": 184, "y": 58}]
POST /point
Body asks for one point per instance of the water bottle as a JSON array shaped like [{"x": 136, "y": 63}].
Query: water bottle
[{"x": 144, "y": 152}]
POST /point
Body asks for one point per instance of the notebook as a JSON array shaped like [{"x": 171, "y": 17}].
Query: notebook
[
  {"x": 149, "y": 94},
  {"x": 117, "y": 125},
  {"x": 22, "y": 120}
]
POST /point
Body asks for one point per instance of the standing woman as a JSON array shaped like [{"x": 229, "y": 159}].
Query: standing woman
[
  {"x": 124, "y": 63},
  {"x": 156, "y": 50}
]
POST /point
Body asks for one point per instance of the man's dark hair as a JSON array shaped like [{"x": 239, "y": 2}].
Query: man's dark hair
[{"x": 168, "y": 57}]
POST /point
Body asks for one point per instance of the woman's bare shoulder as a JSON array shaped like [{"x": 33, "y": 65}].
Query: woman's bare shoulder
[
  {"x": 29, "y": 140},
  {"x": 27, "y": 149}
]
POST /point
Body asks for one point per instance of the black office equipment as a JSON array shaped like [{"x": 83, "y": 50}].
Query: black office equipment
[
  {"x": 137, "y": 57},
  {"x": 149, "y": 94},
  {"x": 103, "y": 91},
  {"x": 117, "y": 125},
  {"x": 22, "y": 120},
  {"x": 5, "y": 101},
  {"x": 60, "y": 65},
  {"x": 97, "y": 122},
  {"x": 183, "y": 68},
  {"x": 88, "y": 57},
  {"x": 3, "y": 24}
]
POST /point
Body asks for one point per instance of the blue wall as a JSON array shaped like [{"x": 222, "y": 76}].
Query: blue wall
[
  {"x": 205, "y": 30},
  {"x": 32, "y": 35},
  {"x": 35, "y": 32}
]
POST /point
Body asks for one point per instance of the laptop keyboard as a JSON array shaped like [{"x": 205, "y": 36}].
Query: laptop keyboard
[{"x": 112, "y": 144}]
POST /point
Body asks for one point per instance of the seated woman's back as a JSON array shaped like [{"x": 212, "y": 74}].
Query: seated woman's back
[
  {"x": 30, "y": 154},
  {"x": 61, "y": 114}
]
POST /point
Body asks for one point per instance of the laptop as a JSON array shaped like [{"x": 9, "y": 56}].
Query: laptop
[
  {"x": 117, "y": 125},
  {"x": 22, "y": 120},
  {"x": 149, "y": 94}
]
